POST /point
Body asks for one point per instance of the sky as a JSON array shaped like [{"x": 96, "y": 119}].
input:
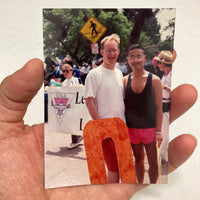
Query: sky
[{"x": 163, "y": 17}]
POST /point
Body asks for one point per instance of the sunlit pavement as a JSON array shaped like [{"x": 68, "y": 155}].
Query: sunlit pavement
[{"x": 65, "y": 167}]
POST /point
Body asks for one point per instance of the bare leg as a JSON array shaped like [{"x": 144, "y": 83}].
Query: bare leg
[
  {"x": 113, "y": 177},
  {"x": 110, "y": 157},
  {"x": 152, "y": 159},
  {"x": 138, "y": 151}
]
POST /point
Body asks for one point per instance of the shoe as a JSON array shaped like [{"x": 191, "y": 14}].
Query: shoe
[
  {"x": 164, "y": 167},
  {"x": 74, "y": 145},
  {"x": 80, "y": 138},
  {"x": 164, "y": 162}
]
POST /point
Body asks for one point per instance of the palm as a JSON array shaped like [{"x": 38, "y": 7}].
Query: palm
[
  {"x": 22, "y": 147},
  {"x": 22, "y": 157}
]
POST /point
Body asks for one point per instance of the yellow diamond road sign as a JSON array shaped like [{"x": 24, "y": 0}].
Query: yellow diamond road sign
[{"x": 93, "y": 30}]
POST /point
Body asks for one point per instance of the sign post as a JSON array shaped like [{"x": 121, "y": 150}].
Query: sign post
[{"x": 95, "y": 48}]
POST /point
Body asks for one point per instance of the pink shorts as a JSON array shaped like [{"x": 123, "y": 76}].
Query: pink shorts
[{"x": 143, "y": 135}]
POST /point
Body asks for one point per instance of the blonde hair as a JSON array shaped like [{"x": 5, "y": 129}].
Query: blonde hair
[
  {"x": 67, "y": 66},
  {"x": 114, "y": 37}
]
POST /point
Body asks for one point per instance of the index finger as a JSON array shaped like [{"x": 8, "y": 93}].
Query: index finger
[{"x": 182, "y": 99}]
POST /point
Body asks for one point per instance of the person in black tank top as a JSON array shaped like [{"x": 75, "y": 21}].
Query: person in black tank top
[
  {"x": 143, "y": 110},
  {"x": 140, "y": 108}
]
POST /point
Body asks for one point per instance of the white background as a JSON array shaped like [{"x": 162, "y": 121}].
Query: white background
[{"x": 21, "y": 39}]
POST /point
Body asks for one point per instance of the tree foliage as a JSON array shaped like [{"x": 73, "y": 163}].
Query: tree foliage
[{"x": 61, "y": 30}]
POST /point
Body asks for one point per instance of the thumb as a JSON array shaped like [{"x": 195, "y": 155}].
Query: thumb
[{"x": 18, "y": 89}]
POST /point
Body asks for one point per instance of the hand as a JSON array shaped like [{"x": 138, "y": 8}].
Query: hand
[
  {"x": 158, "y": 139},
  {"x": 22, "y": 146}
]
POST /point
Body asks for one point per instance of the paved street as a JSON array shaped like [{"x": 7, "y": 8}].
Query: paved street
[{"x": 65, "y": 167}]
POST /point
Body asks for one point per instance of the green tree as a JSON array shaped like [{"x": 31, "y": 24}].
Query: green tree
[
  {"x": 171, "y": 27},
  {"x": 169, "y": 41},
  {"x": 165, "y": 45},
  {"x": 152, "y": 28},
  {"x": 117, "y": 23},
  {"x": 62, "y": 31},
  {"x": 144, "y": 21},
  {"x": 147, "y": 42}
]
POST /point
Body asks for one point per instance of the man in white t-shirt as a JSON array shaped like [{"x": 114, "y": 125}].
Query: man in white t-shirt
[{"x": 104, "y": 97}]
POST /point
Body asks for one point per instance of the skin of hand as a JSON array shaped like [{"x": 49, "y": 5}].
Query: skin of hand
[{"x": 22, "y": 146}]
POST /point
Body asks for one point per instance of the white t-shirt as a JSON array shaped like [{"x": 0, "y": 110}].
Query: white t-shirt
[
  {"x": 106, "y": 86},
  {"x": 73, "y": 81},
  {"x": 166, "y": 80}
]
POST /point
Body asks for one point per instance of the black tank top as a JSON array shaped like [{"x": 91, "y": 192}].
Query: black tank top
[{"x": 140, "y": 109}]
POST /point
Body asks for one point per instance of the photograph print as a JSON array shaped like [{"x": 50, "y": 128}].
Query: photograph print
[{"x": 107, "y": 84}]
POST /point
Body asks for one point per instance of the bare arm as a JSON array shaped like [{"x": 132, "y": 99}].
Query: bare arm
[
  {"x": 174, "y": 55},
  {"x": 90, "y": 103},
  {"x": 157, "y": 88},
  {"x": 125, "y": 80},
  {"x": 168, "y": 89}
]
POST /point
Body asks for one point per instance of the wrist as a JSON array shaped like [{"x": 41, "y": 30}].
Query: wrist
[{"x": 158, "y": 132}]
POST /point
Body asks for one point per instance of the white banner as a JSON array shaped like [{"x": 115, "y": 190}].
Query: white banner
[{"x": 67, "y": 111}]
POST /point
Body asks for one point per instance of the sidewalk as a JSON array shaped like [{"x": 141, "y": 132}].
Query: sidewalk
[{"x": 65, "y": 167}]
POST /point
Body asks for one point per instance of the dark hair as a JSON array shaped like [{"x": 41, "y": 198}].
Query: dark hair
[
  {"x": 134, "y": 46},
  {"x": 168, "y": 65}
]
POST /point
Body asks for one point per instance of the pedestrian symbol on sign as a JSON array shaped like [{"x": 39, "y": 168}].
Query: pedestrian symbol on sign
[
  {"x": 93, "y": 26},
  {"x": 93, "y": 30}
]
